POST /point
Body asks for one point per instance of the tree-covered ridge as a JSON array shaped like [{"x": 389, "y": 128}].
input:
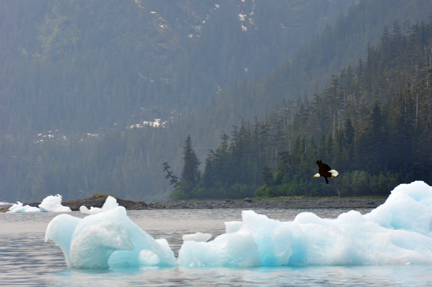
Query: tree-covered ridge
[
  {"x": 84, "y": 65},
  {"x": 74, "y": 74},
  {"x": 372, "y": 122}
]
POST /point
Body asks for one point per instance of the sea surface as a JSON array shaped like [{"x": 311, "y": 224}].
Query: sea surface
[{"x": 27, "y": 260}]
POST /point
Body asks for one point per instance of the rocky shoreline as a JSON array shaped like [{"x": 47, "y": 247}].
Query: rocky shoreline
[
  {"x": 297, "y": 203},
  {"x": 283, "y": 204}
]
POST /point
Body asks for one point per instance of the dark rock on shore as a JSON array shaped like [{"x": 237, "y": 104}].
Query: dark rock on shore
[
  {"x": 99, "y": 201},
  {"x": 247, "y": 203},
  {"x": 95, "y": 201}
]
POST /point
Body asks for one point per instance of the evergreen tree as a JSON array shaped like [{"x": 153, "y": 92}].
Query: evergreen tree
[
  {"x": 267, "y": 175},
  {"x": 190, "y": 174}
]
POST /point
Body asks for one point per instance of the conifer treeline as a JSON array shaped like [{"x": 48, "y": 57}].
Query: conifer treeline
[{"x": 373, "y": 123}]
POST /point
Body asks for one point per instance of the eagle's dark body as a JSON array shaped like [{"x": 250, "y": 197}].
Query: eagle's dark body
[{"x": 325, "y": 171}]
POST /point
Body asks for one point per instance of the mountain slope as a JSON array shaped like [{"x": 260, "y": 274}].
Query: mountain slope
[{"x": 99, "y": 66}]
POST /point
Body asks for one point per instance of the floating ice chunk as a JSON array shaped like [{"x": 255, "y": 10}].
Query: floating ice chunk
[
  {"x": 106, "y": 239},
  {"x": 92, "y": 210},
  {"x": 19, "y": 208},
  {"x": 260, "y": 241},
  {"x": 110, "y": 203},
  {"x": 228, "y": 250},
  {"x": 396, "y": 233},
  {"x": 408, "y": 207},
  {"x": 49, "y": 204},
  {"x": 198, "y": 237},
  {"x": 61, "y": 230},
  {"x": 271, "y": 237},
  {"x": 95, "y": 239},
  {"x": 321, "y": 242},
  {"x": 53, "y": 204},
  {"x": 141, "y": 241}
]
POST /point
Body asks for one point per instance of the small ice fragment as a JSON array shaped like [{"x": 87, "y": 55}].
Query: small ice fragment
[
  {"x": 197, "y": 237},
  {"x": 19, "y": 208},
  {"x": 92, "y": 210},
  {"x": 53, "y": 204},
  {"x": 110, "y": 203}
]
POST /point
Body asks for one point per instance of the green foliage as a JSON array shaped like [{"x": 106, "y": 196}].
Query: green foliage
[
  {"x": 73, "y": 67},
  {"x": 262, "y": 191},
  {"x": 190, "y": 175},
  {"x": 374, "y": 149},
  {"x": 354, "y": 183},
  {"x": 381, "y": 183}
]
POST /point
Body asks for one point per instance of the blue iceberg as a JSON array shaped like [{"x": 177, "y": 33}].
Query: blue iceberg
[
  {"x": 107, "y": 239},
  {"x": 395, "y": 233},
  {"x": 399, "y": 232}
]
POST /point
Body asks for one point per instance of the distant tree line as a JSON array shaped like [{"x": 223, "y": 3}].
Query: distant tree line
[{"x": 372, "y": 122}]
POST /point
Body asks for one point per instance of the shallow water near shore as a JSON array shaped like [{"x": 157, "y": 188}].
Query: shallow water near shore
[{"x": 25, "y": 259}]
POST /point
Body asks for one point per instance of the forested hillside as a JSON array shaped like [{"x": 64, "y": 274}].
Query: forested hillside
[
  {"x": 86, "y": 65},
  {"x": 76, "y": 75},
  {"x": 372, "y": 122}
]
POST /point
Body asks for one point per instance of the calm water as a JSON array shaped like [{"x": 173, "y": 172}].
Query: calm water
[{"x": 25, "y": 259}]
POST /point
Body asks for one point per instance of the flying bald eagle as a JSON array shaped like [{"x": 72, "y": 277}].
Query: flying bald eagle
[{"x": 325, "y": 171}]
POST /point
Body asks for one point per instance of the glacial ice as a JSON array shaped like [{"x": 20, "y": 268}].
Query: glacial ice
[
  {"x": 395, "y": 233},
  {"x": 198, "y": 237},
  {"x": 53, "y": 204},
  {"x": 110, "y": 203},
  {"x": 20, "y": 208},
  {"x": 50, "y": 203},
  {"x": 399, "y": 232},
  {"x": 107, "y": 239}
]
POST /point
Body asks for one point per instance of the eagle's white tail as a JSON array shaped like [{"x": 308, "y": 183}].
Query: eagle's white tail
[{"x": 334, "y": 172}]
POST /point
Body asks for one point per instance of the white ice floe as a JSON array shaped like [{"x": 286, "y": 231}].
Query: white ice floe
[
  {"x": 107, "y": 239},
  {"x": 197, "y": 237},
  {"x": 395, "y": 233},
  {"x": 399, "y": 232},
  {"x": 110, "y": 203},
  {"x": 50, "y": 203},
  {"x": 19, "y": 208}
]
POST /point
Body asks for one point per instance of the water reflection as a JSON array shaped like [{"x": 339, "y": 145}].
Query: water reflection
[{"x": 260, "y": 276}]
